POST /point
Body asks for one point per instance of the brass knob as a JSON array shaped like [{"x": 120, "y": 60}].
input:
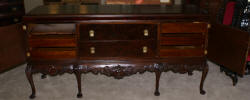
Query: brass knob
[
  {"x": 146, "y": 33},
  {"x": 24, "y": 27},
  {"x": 91, "y": 33},
  {"x": 16, "y": 20},
  {"x": 92, "y": 50},
  {"x": 28, "y": 54},
  {"x": 205, "y": 52},
  {"x": 196, "y": 22},
  {"x": 208, "y": 25},
  {"x": 14, "y": 9},
  {"x": 144, "y": 49}
]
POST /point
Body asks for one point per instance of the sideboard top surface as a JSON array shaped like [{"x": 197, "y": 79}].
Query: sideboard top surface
[
  {"x": 113, "y": 9},
  {"x": 99, "y": 12}
]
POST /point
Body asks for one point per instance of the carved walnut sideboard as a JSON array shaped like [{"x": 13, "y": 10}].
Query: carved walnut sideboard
[{"x": 116, "y": 40}]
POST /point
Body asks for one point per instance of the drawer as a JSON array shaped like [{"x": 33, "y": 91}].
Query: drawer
[
  {"x": 118, "y": 49},
  {"x": 53, "y": 53},
  {"x": 52, "y": 41},
  {"x": 51, "y": 29},
  {"x": 184, "y": 27},
  {"x": 117, "y": 31}
]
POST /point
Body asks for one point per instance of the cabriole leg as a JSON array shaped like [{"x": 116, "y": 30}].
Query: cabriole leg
[
  {"x": 29, "y": 76},
  {"x": 158, "y": 75},
  {"x": 204, "y": 75},
  {"x": 78, "y": 78}
]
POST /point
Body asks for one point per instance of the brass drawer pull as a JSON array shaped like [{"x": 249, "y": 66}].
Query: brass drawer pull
[
  {"x": 146, "y": 33},
  {"x": 91, "y": 33},
  {"x": 92, "y": 50},
  {"x": 208, "y": 26},
  {"x": 205, "y": 52},
  {"x": 14, "y": 9},
  {"x": 16, "y": 20},
  {"x": 28, "y": 54},
  {"x": 144, "y": 49},
  {"x": 24, "y": 27}
]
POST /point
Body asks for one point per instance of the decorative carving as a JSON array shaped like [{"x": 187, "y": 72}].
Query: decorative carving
[
  {"x": 52, "y": 70},
  {"x": 45, "y": 70},
  {"x": 117, "y": 71}
]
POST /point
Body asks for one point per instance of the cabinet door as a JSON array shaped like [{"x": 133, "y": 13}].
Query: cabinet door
[
  {"x": 12, "y": 51},
  {"x": 228, "y": 46}
]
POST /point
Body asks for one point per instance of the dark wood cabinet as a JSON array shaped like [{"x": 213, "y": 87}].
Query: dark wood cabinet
[
  {"x": 122, "y": 40},
  {"x": 12, "y": 50},
  {"x": 117, "y": 43}
]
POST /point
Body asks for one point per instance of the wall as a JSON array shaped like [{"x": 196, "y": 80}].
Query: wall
[{"x": 30, "y": 4}]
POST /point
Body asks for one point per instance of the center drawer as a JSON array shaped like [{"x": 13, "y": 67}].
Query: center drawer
[
  {"x": 117, "y": 31},
  {"x": 117, "y": 49}
]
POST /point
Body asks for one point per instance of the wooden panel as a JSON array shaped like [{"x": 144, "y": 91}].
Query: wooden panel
[
  {"x": 181, "y": 41},
  {"x": 118, "y": 49},
  {"x": 192, "y": 52},
  {"x": 53, "y": 41},
  {"x": 228, "y": 47},
  {"x": 53, "y": 53},
  {"x": 117, "y": 31},
  {"x": 183, "y": 27},
  {"x": 12, "y": 51}
]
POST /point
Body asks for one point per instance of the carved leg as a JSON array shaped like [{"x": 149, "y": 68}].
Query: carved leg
[
  {"x": 158, "y": 75},
  {"x": 44, "y": 76},
  {"x": 28, "y": 72},
  {"x": 221, "y": 69},
  {"x": 230, "y": 74},
  {"x": 204, "y": 75},
  {"x": 78, "y": 78},
  {"x": 233, "y": 76}
]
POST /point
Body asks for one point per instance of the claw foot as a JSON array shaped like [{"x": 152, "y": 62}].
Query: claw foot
[
  {"x": 202, "y": 92},
  {"x": 32, "y": 96},
  {"x": 157, "y": 93},
  {"x": 79, "y": 95}
]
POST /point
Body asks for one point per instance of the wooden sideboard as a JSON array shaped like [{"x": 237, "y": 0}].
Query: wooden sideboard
[{"x": 116, "y": 40}]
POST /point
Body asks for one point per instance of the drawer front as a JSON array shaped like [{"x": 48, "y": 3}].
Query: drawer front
[
  {"x": 51, "y": 29},
  {"x": 183, "y": 39},
  {"x": 118, "y": 49},
  {"x": 183, "y": 27},
  {"x": 53, "y": 53},
  {"x": 52, "y": 41},
  {"x": 117, "y": 31}
]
